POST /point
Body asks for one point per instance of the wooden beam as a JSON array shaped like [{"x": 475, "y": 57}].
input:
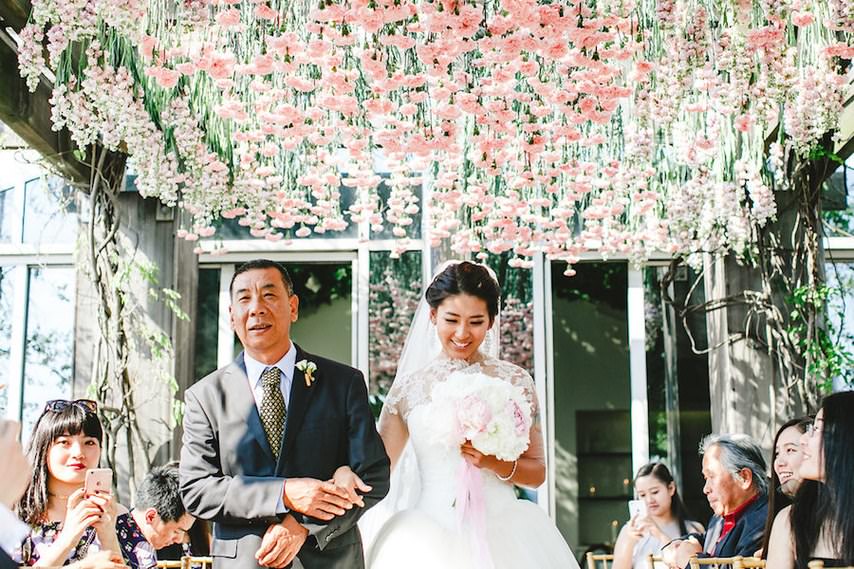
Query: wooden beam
[
  {"x": 15, "y": 13},
  {"x": 29, "y": 115}
]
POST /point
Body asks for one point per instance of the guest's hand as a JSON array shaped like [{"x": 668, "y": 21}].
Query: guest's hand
[
  {"x": 345, "y": 478},
  {"x": 15, "y": 471},
  {"x": 281, "y": 543},
  {"x": 645, "y": 525},
  {"x": 106, "y": 524},
  {"x": 683, "y": 551},
  {"x": 81, "y": 513},
  {"x": 315, "y": 498},
  {"x": 100, "y": 560}
]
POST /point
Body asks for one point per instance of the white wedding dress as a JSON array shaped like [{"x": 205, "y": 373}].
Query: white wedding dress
[{"x": 426, "y": 533}]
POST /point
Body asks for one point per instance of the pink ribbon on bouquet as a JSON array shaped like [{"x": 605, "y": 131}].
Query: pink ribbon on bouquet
[{"x": 471, "y": 512}]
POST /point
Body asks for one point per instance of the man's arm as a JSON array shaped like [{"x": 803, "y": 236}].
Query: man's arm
[
  {"x": 367, "y": 458},
  {"x": 208, "y": 493}
]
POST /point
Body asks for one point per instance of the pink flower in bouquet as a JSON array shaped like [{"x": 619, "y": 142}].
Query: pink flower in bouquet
[{"x": 473, "y": 415}]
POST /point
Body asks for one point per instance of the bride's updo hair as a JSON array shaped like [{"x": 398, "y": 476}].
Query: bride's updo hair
[{"x": 465, "y": 278}]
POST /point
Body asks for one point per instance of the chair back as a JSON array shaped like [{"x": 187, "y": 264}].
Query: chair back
[
  {"x": 599, "y": 561},
  {"x": 187, "y": 562},
  {"x": 819, "y": 564},
  {"x": 737, "y": 562},
  {"x": 655, "y": 562}
]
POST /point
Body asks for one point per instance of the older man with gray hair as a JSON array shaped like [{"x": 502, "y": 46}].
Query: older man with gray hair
[{"x": 737, "y": 490}]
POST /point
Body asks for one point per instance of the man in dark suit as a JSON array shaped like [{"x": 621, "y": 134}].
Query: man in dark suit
[
  {"x": 264, "y": 435},
  {"x": 737, "y": 490}
]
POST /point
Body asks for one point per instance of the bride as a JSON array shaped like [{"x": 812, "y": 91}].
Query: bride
[{"x": 455, "y": 330}]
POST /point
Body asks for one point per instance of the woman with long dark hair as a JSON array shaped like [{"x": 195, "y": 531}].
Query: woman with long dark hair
[
  {"x": 666, "y": 518},
  {"x": 819, "y": 524},
  {"x": 785, "y": 471},
  {"x": 66, "y": 522}
]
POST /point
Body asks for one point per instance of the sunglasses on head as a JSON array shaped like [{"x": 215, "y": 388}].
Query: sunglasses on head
[{"x": 60, "y": 405}]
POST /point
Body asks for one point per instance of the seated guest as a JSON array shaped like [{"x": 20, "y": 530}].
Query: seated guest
[
  {"x": 820, "y": 522},
  {"x": 736, "y": 488},
  {"x": 65, "y": 523},
  {"x": 196, "y": 543},
  {"x": 785, "y": 478},
  {"x": 666, "y": 518},
  {"x": 157, "y": 520}
]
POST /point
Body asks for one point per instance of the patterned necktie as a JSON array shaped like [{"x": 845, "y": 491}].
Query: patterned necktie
[{"x": 273, "y": 411}]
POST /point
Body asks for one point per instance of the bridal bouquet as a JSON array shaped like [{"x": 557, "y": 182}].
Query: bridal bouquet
[{"x": 493, "y": 414}]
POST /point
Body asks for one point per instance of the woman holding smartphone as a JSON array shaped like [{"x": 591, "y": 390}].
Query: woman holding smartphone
[
  {"x": 661, "y": 517},
  {"x": 66, "y": 521}
]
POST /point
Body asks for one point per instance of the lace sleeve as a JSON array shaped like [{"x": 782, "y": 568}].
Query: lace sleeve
[
  {"x": 395, "y": 400},
  {"x": 519, "y": 377},
  {"x": 409, "y": 391}
]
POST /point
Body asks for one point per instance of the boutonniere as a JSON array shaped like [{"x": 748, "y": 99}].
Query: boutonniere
[{"x": 307, "y": 368}]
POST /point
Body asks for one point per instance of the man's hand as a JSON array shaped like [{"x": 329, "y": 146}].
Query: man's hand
[
  {"x": 321, "y": 500},
  {"x": 15, "y": 471},
  {"x": 680, "y": 552},
  {"x": 281, "y": 543},
  {"x": 349, "y": 481}
]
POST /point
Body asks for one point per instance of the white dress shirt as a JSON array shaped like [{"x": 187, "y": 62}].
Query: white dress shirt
[
  {"x": 254, "y": 370},
  {"x": 14, "y": 530}
]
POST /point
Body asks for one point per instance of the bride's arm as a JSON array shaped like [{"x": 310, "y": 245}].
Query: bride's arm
[
  {"x": 529, "y": 469},
  {"x": 394, "y": 434}
]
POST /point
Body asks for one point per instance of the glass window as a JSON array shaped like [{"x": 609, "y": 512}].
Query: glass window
[
  {"x": 840, "y": 311},
  {"x": 679, "y": 404},
  {"x": 228, "y": 229},
  {"x": 49, "y": 351},
  {"x": 414, "y": 229},
  {"x": 207, "y": 323},
  {"x": 517, "y": 311},
  {"x": 395, "y": 286},
  {"x": 592, "y": 391},
  {"x": 6, "y": 299},
  {"x": 7, "y": 214},
  {"x": 837, "y": 201},
  {"x": 49, "y": 211}
]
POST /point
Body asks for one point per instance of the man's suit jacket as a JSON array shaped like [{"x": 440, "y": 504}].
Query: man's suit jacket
[
  {"x": 229, "y": 475},
  {"x": 6, "y": 562},
  {"x": 745, "y": 538}
]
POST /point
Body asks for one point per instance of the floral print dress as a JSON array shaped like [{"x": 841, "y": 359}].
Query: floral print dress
[{"x": 43, "y": 535}]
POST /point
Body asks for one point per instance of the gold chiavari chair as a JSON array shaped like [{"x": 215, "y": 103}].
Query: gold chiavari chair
[
  {"x": 654, "y": 562},
  {"x": 187, "y": 562},
  {"x": 599, "y": 561},
  {"x": 819, "y": 564},
  {"x": 737, "y": 562}
]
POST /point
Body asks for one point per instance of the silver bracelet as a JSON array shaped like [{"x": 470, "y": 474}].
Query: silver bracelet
[{"x": 512, "y": 472}]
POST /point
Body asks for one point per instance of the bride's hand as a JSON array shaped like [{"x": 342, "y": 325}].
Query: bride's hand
[
  {"x": 480, "y": 460},
  {"x": 346, "y": 479}
]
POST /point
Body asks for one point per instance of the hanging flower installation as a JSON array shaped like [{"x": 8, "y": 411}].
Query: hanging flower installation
[{"x": 619, "y": 126}]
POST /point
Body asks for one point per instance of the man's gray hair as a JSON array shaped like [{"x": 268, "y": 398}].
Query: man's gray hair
[{"x": 737, "y": 452}]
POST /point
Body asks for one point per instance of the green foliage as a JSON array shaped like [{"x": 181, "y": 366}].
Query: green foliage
[{"x": 818, "y": 338}]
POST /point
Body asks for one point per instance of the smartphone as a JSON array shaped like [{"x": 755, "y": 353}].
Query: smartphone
[
  {"x": 637, "y": 508},
  {"x": 99, "y": 480}
]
